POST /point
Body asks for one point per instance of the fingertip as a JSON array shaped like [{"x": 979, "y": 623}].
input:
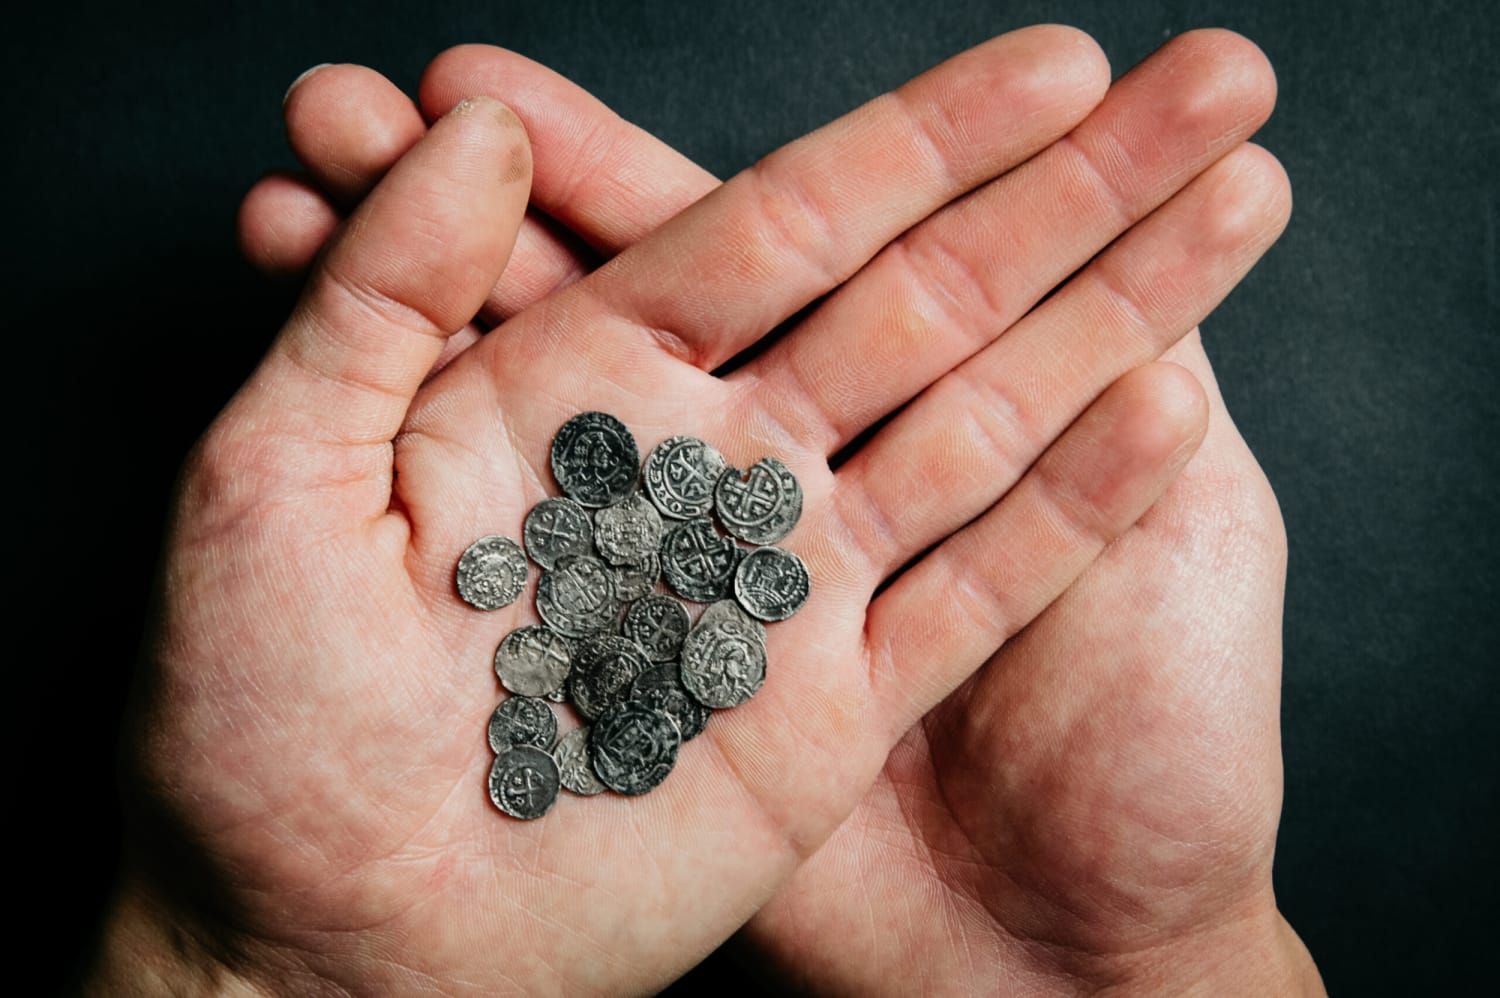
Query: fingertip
[
  {"x": 1228, "y": 65},
  {"x": 348, "y": 125},
  {"x": 509, "y": 134},
  {"x": 282, "y": 224},
  {"x": 454, "y": 74}
]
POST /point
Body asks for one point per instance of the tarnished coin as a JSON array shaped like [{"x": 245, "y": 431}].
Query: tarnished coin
[
  {"x": 680, "y": 476},
  {"x": 634, "y": 747},
  {"x": 761, "y": 505},
  {"x": 724, "y": 657},
  {"x": 637, "y": 580},
  {"x": 575, "y": 767},
  {"x": 698, "y": 561},
  {"x": 522, "y": 721},
  {"x": 557, "y": 528},
  {"x": 604, "y": 666},
  {"x": 771, "y": 584},
  {"x": 524, "y": 781},
  {"x": 595, "y": 459},
  {"x": 661, "y": 688},
  {"x": 533, "y": 661},
  {"x": 658, "y": 624},
  {"x": 491, "y": 573},
  {"x": 577, "y": 597},
  {"x": 627, "y": 532}
]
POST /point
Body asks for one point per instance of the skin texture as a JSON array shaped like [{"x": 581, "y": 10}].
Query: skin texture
[{"x": 347, "y": 860}]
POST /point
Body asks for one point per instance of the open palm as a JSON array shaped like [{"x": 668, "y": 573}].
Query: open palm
[{"x": 315, "y": 728}]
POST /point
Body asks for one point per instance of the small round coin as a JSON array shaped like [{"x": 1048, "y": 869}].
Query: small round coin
[
  {"x": 534, "y": 661},
  {"x": 627, "y": 532},
  {"x": 724, "y": 657},
  {"x": 658, "y": 624},
  {"x": 491, "y": 573},
  {"x": 578, "y": 598},
  {"x": 771, "y": 584},
  {"x": 603, "y": 669},
  {"x": 557, "y": 528},
  {"x": 760, "y": 506},
  {"x": 661, "y": 689},
  {"x": 575, "y": 766},
  {"x": 595, "y": 459},
  {"x": 680, "y": 475},
  {"x": 524, "y": 781},
  {"x": 634, "y": 747},
  {"x": 522, "y": 721},
  {"x": 698, "y": 561},
  {"x": 637, "y": 580}
]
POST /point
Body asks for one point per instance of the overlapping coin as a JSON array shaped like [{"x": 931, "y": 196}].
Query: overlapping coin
[{"x": 524, "y": 781}]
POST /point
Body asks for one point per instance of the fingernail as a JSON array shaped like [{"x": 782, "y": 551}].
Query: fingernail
[{"x": 298, "y": 81}]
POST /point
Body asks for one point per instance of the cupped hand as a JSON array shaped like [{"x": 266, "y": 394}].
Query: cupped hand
[{"x": 310, "y": 742}]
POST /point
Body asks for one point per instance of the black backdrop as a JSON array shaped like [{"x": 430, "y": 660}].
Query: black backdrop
[{"x": 1360, "y": 360}]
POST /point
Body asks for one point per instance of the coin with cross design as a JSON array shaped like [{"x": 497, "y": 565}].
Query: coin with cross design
[
  {"x": 557, "y": 528},
  {"x": 533, "y": 661},
  {"x": 595, "y": 459},
  {"x": 724, "y": 657},
  {"x": 680, "y": 475},
  {"x": 491, "y": 573},
  {"x": 657, "y": 623},
  {"x": 771, "y": 584},
  {"x": 761, "y": 505},
  {"x": 634, "y": 747},
  {"x": 524, "y": 781},
  {"x": 698, "y": 561},
  {"x": 578, "y": 598}
]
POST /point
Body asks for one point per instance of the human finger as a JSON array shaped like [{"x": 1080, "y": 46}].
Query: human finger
[
  {"x": 960, "y": 279},
  {"x": 283, "y": 222}
]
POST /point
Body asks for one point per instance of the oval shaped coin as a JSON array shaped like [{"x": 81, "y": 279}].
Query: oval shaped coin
[
  {"x": 534, "y": 661},
  {"x": 634, "y": 747},
  {"x": 698, "y": 561},
  {"x": 627, "y": 532},
  {"x": 724, "y": 657},
  {"x": 661, "y": 689},
  {"x": 577, "y": 598},
  {"x": 524, "y": 781},
  {"x": 491, "y": 573},
  {"x": 522, "y": 721},
  {"x": 595, "y": 459},
  {"x": 680, "y": 475},
  {"x": 575, "y": 765},
  {"x": 638, "y": 580},
  {"x": 557, "y": 528},
  {"x": 603, "y": 669},
  {"x": 658, "y": 624},
  {"x": 771, "y": 584},
  {"x": 761, "y": 505}
]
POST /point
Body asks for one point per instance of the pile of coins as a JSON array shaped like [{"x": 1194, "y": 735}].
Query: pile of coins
[{"x": 627, "y": 657}]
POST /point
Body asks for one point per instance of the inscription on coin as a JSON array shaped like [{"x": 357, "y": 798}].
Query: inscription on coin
[
  {"x": 724, "y": 657},
  {"x": 577, "y": 598},
  {"x": 534, "y": 661},
  {"x": 491, "y": 573},
  {"x": 661, "y": 689},
  {"x": 603, "y": 669},
  {"x": 522, "y": 721},
  {"x": 628, "y": 532},
  {"x": 680, "y": 476},
  {"x": 698, "y": 561},
  {"x": 575, "y": 766},
  {"x": 634, "y": 747},
  {"x": 771, "y": 584},
  {"x": 634, "y": 581},
  {"x": 524, "y": 781},
  {"x": 595, "y": 459},
  {"x": 658, "y": 624},
  {"x": 760, "y": 506},
  {"x": 557, "y": 528}
]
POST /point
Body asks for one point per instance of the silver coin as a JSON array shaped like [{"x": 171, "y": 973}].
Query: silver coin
[
  {"x": 658, "y": 624},
  {"x": 577, "y": 598},
  {"x": 603, "y": 669},
  {"x": 698, "y": 561},
  {"x": 491, "y": 573},
  {"x": 634, "y": 747},
  {"x": 627, "y": 532},
  {"x": 522, "y": 721},
  {"x": 524, "y": 781},
  {"x": 661, "y": 689},
  {"x": 534, "y": 661},
  {"x": 595, "y": 459},
  {"x": 575, "y": 766},
  {"x": 724, "y": 657},
  {"x": 638, "y": 580},
  {"x": 761, "y": 505},
  {"x": 771, "y": 584},
  {"x": 557, "y": 528},
  {"x": 680, "y": 475}
]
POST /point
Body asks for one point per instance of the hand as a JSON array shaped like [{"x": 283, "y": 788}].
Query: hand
[{"x": 311, "y": 738}]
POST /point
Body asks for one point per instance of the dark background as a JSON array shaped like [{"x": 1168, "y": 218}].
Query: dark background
[{"x": 1360, "y": 360}]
